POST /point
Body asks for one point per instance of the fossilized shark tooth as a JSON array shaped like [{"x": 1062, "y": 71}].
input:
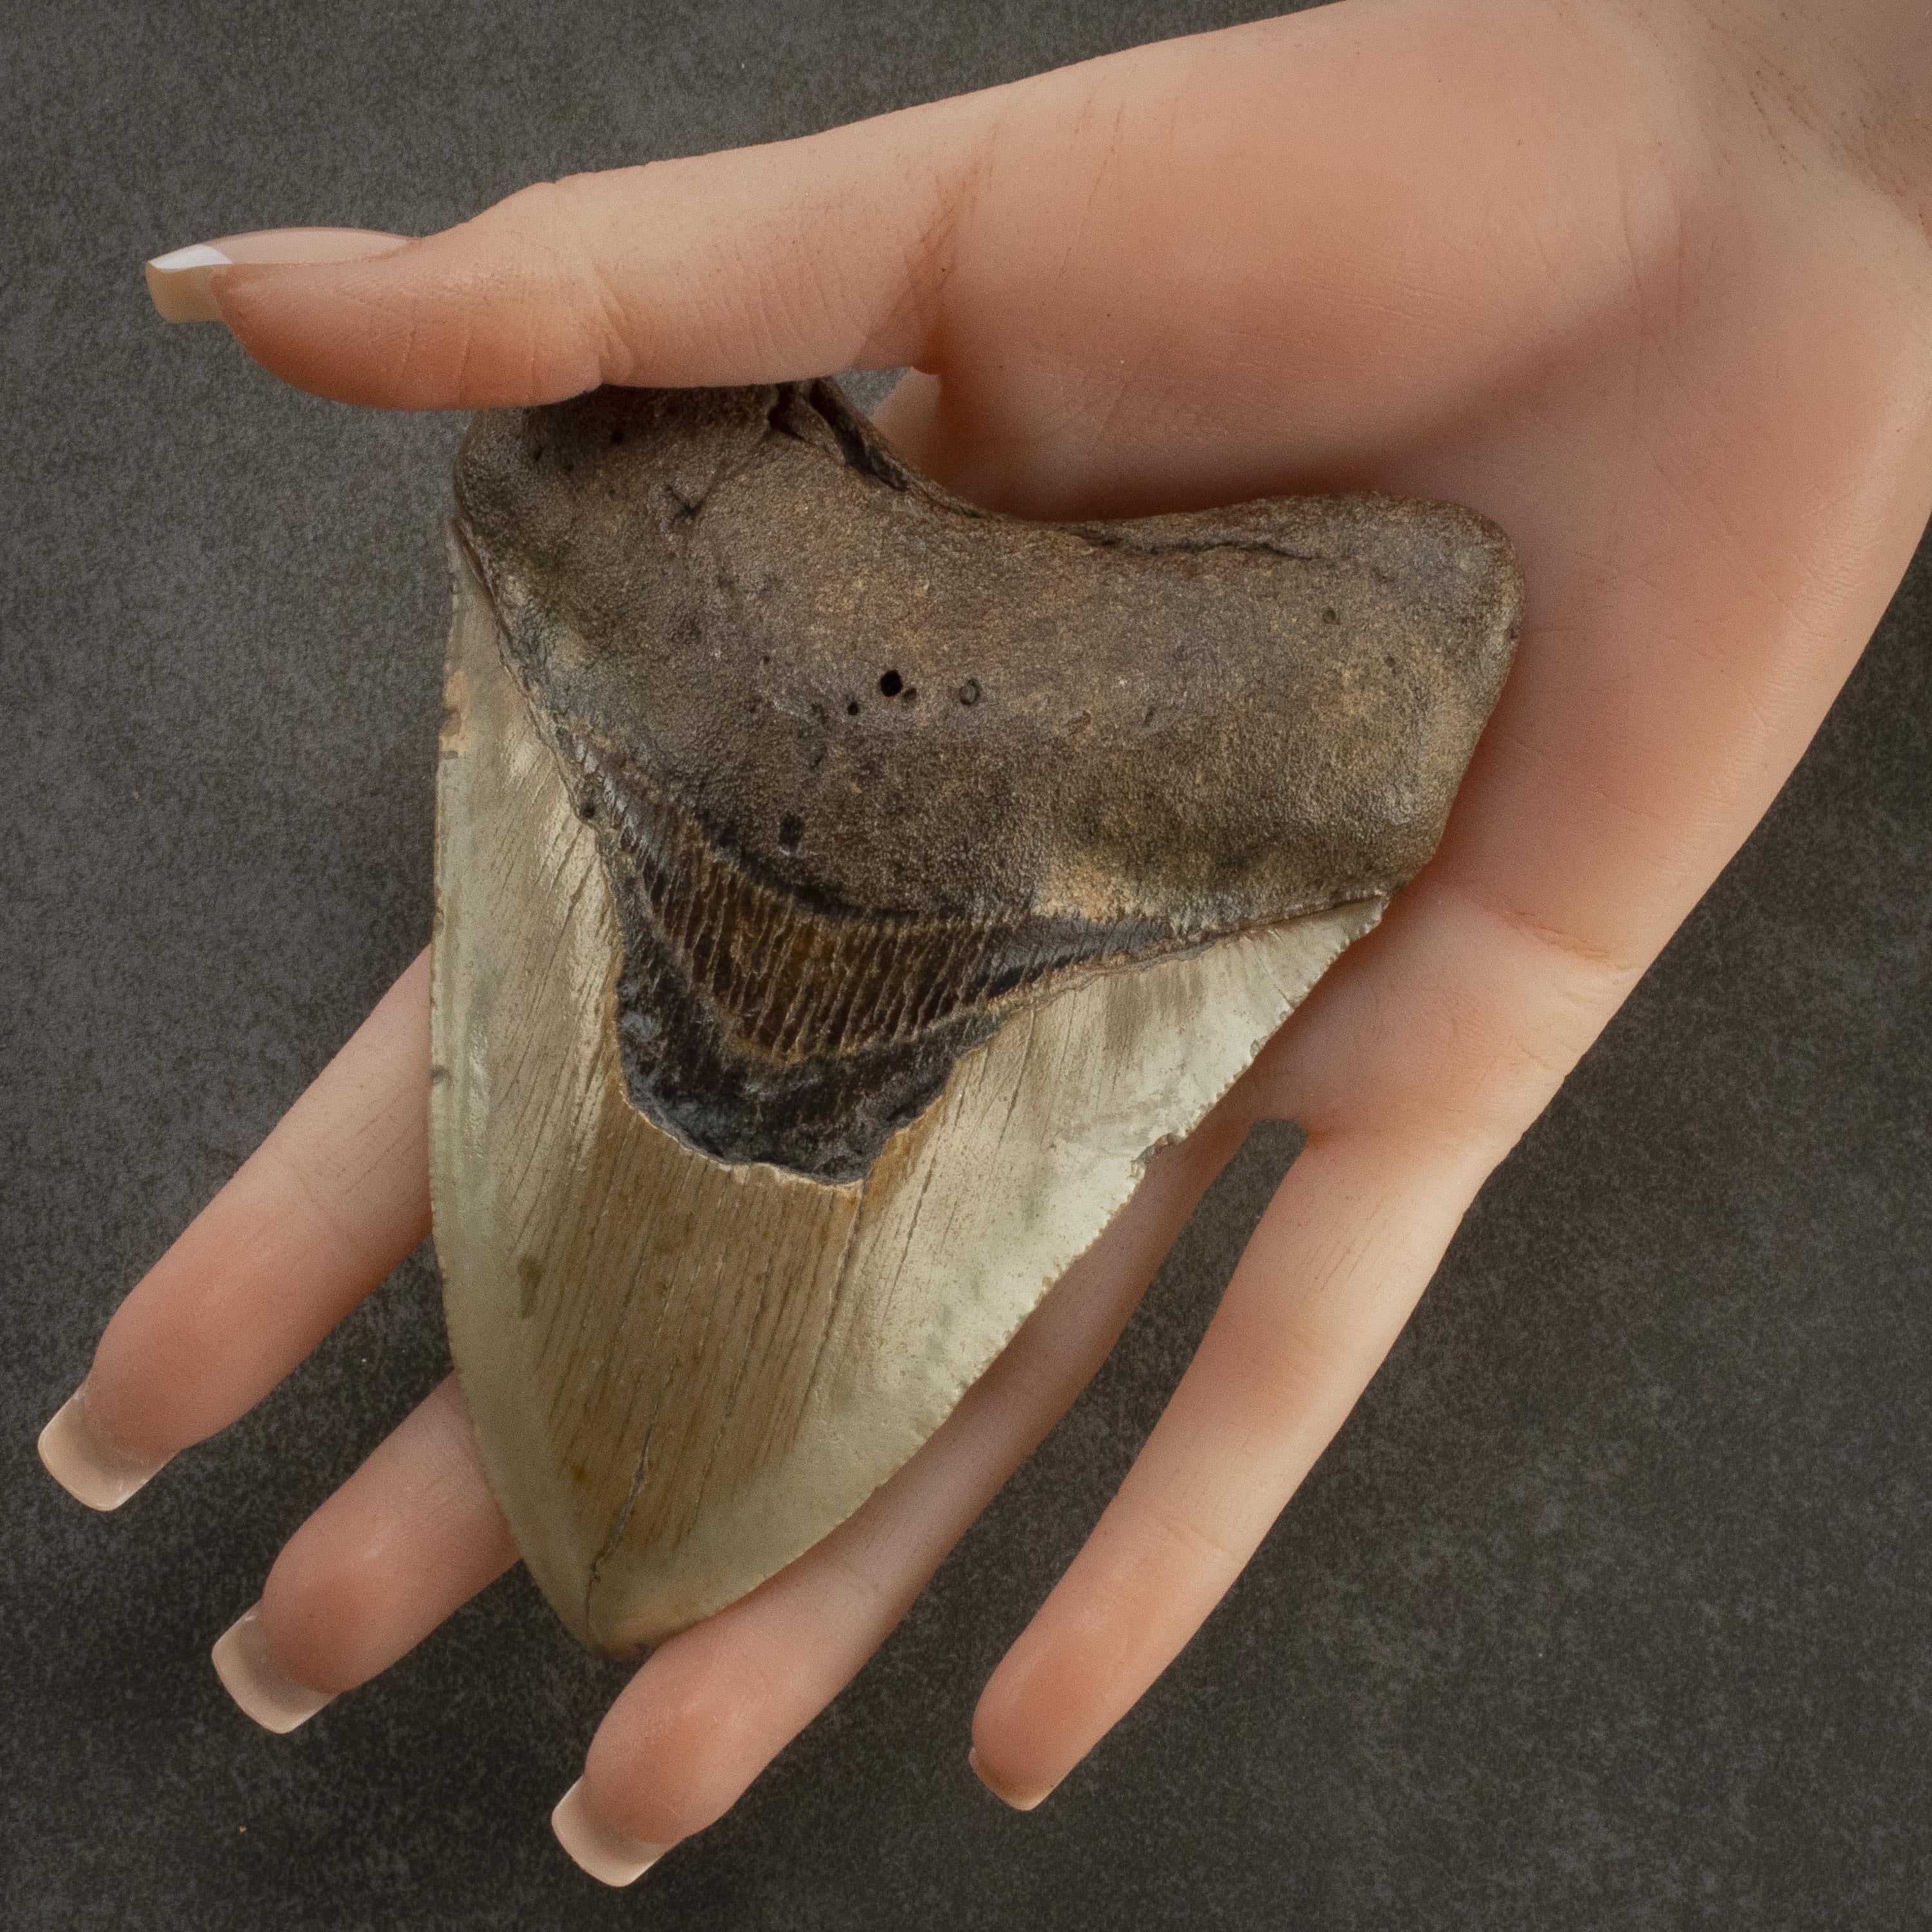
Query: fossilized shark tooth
[{"x": 840, "y": 891}]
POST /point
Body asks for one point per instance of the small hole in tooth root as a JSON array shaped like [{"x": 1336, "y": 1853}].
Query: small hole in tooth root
[
  {"x": 1331, "y": 615},
  {"x": 791, "y": 832},
  {"x": 890, "y": 685},
  {"x": 852, "y": 710},
  {"x": 969, "y": 691}
]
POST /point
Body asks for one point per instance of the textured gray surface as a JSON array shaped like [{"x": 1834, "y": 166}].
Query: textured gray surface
[{"x": 1607, "y": 1608}]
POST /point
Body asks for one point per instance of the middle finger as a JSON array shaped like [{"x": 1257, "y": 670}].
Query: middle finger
[{"x": 713, "y": 1706}]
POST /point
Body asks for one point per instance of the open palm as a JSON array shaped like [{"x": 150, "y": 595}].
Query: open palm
[{"x": 1576, "y": 272}]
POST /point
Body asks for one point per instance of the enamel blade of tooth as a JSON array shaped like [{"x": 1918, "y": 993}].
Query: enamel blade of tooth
[{"x": 842, "y": 891}]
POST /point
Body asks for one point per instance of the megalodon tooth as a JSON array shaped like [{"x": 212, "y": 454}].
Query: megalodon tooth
[{"x": 840, "y": 891}]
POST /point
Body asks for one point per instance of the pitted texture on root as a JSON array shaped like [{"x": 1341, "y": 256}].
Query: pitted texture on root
[{"x": 869, "y": 768}]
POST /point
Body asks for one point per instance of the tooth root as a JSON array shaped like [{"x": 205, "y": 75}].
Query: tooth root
[
  {"x": 681, "y": 1371},
  {"x": 760, "y": 706}
]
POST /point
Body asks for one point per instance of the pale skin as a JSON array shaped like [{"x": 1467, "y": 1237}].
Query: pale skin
[{"x": 1648, "y": 284}]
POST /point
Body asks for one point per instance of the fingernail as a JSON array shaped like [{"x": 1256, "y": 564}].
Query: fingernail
[
  {"x": 265, "y": 1691},
  {"x": 1020, "y": 1797},
  {"x": 608, "y": 1856},
  {"x": 85, "y": 1463},
  {"x": 181, "y": 283}
]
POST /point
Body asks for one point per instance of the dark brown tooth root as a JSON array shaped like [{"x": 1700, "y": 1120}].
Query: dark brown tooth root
[{"x": 1186, "y": 742}]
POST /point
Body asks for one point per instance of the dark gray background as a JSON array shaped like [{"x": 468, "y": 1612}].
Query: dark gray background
[{"x": 1608, "y": 1607}]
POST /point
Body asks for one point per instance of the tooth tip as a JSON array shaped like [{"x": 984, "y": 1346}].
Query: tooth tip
[
  {"x": 259, "y": 1687},
  {"x": 85, "y": 1464},
  {"x": 608, "y": 1856}
]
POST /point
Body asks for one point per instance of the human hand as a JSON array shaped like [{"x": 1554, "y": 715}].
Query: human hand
[{"x": 1676, "y": 354}]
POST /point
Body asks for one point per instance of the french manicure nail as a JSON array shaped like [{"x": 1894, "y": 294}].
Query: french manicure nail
[
  {"x": 252, "y": 1677},
  {"x": 1020, "y": 1798},
  {"x": 608, "y": 1856},
  {"x": 180, "y": 282},
  {"x": 85, "y": 1463}
]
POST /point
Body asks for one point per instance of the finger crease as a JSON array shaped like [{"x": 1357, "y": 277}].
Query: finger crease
[{"x": 1552, "y": 938}]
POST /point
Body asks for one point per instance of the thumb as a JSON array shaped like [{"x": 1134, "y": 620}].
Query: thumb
[{"x": 756, "y": 265}]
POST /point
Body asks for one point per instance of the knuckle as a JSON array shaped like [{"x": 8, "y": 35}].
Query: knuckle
[
  {"x": 1187, "y": 1541},
  {"x": 542, "y": 313},
  {"x": 1487, "y": 1041}
]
